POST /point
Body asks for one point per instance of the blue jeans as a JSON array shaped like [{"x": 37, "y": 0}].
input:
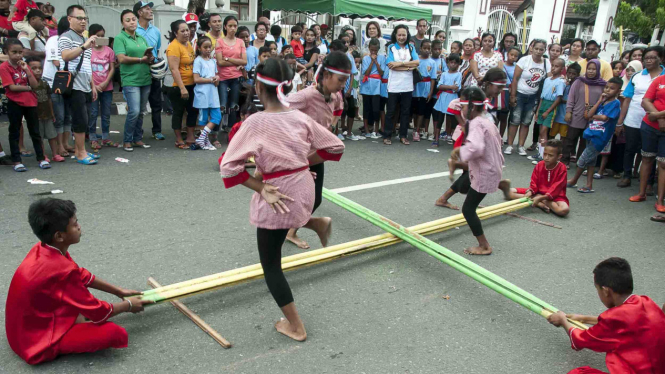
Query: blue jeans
[
  {"x": 523, "y": 111},
  {"x": 63, "y": 117},
  {"x": 136, "y": 97},
  {"x": 229, "y": 94},
  {"x": 104, "y": 100}
]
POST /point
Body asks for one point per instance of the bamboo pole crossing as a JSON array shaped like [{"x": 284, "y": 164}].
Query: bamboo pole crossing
[{"x": 232, "y": 277}]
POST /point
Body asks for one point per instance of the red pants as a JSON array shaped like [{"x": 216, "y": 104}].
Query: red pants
[
  {"x": 586, "y": 370},
  {"x": 90, "y": 337}
]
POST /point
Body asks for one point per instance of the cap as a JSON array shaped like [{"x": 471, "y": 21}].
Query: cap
[
  {"x": 142, "y": 4},
  {"x": 191, "y": 18},
  {"x": 593, "y": 42}
]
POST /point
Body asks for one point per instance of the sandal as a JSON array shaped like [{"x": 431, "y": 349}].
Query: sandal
[
  {"x": 570, "y": 185},
  {"x": 387, "y": 142},
  {"x": 44, "y": 165},
  {"x": 94, "y": 144},
  {"x": 58, "y": 158},
  {"x": 658, "y": 218},
  {"x": 585, "y": 190},
  {"x": 637, "y": 198},
  {"x": 598, "y": 176},
  {"x": 27, "y": 154},
  {"x": 110, "y": 143},
  {"x": 87, "y": 161},
  {"x": 20, "y": 168},
  {"x": 660, "y": 208},
  {"x": 181, "y": 146},
  {"x": 141, "y": 145},
  {"x": 404, "y": 141},
  {"x": 96, "y": 156},
  {"x": 435, "y": 144},
  {"x": 217, "y": 144}
]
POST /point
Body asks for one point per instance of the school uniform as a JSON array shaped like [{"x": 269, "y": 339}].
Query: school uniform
[
  {"x": 445, "y": 97},
  {"x": 428, "y": 70},
  {"x": 370, "y": 88},
  {"x": 552, "y": 88}
]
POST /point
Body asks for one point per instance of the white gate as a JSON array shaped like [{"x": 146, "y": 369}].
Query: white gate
[{"x": 500, "y": 21}]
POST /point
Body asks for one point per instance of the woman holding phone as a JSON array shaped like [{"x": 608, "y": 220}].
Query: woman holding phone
[{"x": 134, "y": 55}]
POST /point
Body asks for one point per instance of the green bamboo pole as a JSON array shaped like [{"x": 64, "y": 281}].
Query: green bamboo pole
[{"x": 448, "y": 257}]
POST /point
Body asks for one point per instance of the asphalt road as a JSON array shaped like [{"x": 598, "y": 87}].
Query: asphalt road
[{"x": 166, "y": 214}]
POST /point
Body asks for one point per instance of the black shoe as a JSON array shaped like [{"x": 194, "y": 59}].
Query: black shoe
[{"x": 6, "y": 161}]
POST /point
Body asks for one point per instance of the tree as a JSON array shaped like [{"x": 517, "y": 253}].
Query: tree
[
  {"x": 196, "y": 5},
  {"x": 639, "y": 16}
]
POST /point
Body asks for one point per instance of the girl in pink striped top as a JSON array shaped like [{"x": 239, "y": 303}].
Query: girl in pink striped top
[
  {"x": 285, "y": 197},
  {"x": 482, "y": 152},
  {"x": 324, "y": 104}
]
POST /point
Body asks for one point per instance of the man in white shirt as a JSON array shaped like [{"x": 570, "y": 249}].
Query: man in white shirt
[{"x": 269, "y": 37}]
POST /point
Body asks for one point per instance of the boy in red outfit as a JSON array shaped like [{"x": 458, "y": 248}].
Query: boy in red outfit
[
  {"x": 48, "y": 300},
  {"x": 19, "y": 20},
  {"x": 631, "y": 331},
  {"x": 548, "y": 182},
  {"x": 298, "y": 48}
]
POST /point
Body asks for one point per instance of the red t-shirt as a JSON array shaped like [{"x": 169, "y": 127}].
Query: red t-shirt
[
  {"x": 14, "y": 75},
  {"x": 5, "y": 23},
  {"x": 22, "y": 9},
  {"x": 656, "y": 92},
  {"x": 298, "y": 48}
]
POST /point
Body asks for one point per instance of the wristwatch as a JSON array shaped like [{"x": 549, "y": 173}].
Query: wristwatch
[{"x": 82, "y": 47}]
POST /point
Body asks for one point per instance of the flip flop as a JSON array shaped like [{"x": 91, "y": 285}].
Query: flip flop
[
  {"x": 27, "y": 154},
  {"x": 87, "y": 161},
  {"x": 44, "y": 165},
  {"x": 181, "y": 146},
  {"x": 94, "y": 155},
  {"x": 585, "y": 190},
  {"x": 20, "y": 168},
  {"x": 658, "y": 218},
  {"x": 597, "y": 176},
  {"x": 637, "y": 198},
  {"x": 146, "y": 146}
]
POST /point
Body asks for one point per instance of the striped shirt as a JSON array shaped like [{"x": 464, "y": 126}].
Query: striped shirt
[
  {"x": 70, "y": 40},
  {"x": 279, "y": 142},
  {"x": 482, "y": 151},
  {"x": 311, "y": 102}
]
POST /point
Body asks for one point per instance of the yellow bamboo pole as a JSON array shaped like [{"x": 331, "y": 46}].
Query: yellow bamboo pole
[
  {"x": 237, "y": 276},
  {"x": 420, "y": 228}
]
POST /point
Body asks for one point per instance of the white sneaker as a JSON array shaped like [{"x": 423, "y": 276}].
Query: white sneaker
[
  {"x": 374, "y": 135},
  {"x": 344, "y": 133},
  {"x": 361, "y": 137},
  {"x": 522, "y": 151},
  {"x": 352, "y": 137},
  {"x": 508, "y": 150},
  {"x": 340, "y": 137},
  {"x": 430, "y": 138}
]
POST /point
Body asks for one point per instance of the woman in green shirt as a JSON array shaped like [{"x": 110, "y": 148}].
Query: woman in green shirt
[{"x": 130, "y": 49}]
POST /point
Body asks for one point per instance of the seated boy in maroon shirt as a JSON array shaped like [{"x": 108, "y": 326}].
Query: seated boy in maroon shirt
[
  {"x": 48, "y": 300},
  {"x": 631, "y": 331}
]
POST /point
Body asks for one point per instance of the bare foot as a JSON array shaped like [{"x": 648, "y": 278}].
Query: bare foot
[
  {"x": 297, "y": 241},
  {"x": 445, "y": 204},
  {"x": 451, "y": 169},
  {"x": 324, "y": 230},
  {"x": 504, "y": 186},
  {"x": 478, "y": 251},
  {"x": 284, "y": 326},
  {"x": 544, "y": 207}
]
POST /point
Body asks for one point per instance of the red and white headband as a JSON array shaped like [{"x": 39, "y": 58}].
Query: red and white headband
[
  {"x": 485, "y": 102},
  {"x": 501, "y": 82},
  {"x": 332, "y": 70},
  {"x": 275, "y": 83}
]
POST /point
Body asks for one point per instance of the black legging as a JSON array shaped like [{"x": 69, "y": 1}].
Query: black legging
[
  {"x": 181, "y": 105},
  {"x": 270, "y": 252},
  {"x": 473, "y": 199},
  {"x": 318, "y": 184},
  {"x": 462, "y": 184}
]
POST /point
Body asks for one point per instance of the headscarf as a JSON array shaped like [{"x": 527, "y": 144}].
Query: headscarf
[
  {"x": 597, "y": 81},
  {"x": 637, "y": 66}
]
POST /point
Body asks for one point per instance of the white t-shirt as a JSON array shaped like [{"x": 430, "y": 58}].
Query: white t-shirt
[
  {"x": 52, "y": 54},
  {"x": 532, "y": 74},
  {"x": 269, "y": 37},
  {"x": 635, "y": 90}
]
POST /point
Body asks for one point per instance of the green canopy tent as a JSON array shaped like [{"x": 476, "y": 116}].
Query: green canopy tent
[{"x": 384, "y": 9}]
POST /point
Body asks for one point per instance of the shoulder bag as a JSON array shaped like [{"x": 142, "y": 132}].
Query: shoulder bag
[{"x": 63, "y": 81}]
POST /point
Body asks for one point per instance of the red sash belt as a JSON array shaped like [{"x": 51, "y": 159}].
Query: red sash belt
[
  {"x": 283, "y": 173},
  {"x": 384, "y": 80},
  {"x": 426, "y": 79},
  {"x": 371, "y": 76},
  {"x": 446, "y": 91}
]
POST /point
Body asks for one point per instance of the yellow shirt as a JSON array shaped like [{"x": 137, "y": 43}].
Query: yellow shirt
[
  {"x": 186, "y": 55},
  {"x": 605, "y": 69},
  {"x": 213, "y": 39}
]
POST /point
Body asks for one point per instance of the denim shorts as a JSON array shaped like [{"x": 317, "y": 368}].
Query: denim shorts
[
  {"x": 588, "y": 157},
  {"x": 523, "y": 111},
  {"x": 214, "y": 114},
  {"x": 653, "y": 142}
]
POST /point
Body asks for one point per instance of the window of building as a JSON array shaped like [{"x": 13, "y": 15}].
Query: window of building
[{"x": 242, "y": 7}]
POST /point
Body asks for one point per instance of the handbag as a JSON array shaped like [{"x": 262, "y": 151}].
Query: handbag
[{"x": 63, "y": 81}]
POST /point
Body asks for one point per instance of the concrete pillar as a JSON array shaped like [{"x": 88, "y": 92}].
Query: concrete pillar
[
  {"x": 602, "y": 29},
  {"x": 654, "y": 36},
  {"x": 547, "y": 20},
  {"x": 475, "y": 16},
  {"x": 579, "y": 29},
  {"x": 164, "y": 15}
]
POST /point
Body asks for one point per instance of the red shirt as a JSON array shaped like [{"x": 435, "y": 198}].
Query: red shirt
[
  {"x": 5, "y": 23},
  {"x": 22, "y": 9},
  {"x": 632, "y": 334},
  {"x": 46, "y": 295},
  {"x": 298, "y": 48},
  {"x": 550, "y": 182},
  {"x": 656, "y": 92},
  {"x": 15, "y": 75}
]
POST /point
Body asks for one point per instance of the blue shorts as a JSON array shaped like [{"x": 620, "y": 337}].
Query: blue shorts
[
  {"x": 523, "y": 111},
  {"x": 214, "y": 114},
  {"x": 653, "y": 142},
  {"x": 588, "y": 157}
]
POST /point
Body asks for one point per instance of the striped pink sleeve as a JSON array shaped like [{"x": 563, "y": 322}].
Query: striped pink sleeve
[
  {"x": 242, "y": 147},
  {"x": 327, "y": 145},
  {"x": 475, "y": 141}
]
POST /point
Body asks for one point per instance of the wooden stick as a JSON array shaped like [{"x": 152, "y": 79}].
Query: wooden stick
[
  {"x": 530, "y": 219},
  {"x": 196, "y": 319}
]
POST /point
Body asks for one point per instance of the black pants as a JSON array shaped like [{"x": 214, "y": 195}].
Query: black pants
[
  {"x": 372, "y": 110},
  {"x": 633, "y": 147},
  {"x": 318, "y": 184},
  {"x": 79, "y": 102},
  {"x": 535, "y": 136},
  {"x": 404, "y": 101},
  {"x": 155, "y": 100},
  {"x": 180, "y": 106},
  {"x": 462, "y": 184},
  {"x": 270, "y": 252},
  {"x": 16, "y": 113},
  {"x": 473, "y": 199},
  {"x": 569, "y": 142}
]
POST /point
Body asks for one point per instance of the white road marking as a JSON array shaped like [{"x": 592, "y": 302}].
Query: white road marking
[{"x": 393, "y": 181}]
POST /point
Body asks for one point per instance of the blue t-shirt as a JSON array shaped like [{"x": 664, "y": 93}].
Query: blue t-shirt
[
  {"x": 205, "y": 95},
  {"x": 354, "y": 71},
  {"x": 553, "y": 88},
  {"x": 372, "y": 86},
  {"x": 428, "y": 69},
  {"x": 384, "y": 83},
  {"x": 510, "y": 72},
  {"x": 252, "y": 57},
  {"x": 599, "y": 133},
  {"x": 560, "y": 116},
  {"x": 445, "y": 98}
]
